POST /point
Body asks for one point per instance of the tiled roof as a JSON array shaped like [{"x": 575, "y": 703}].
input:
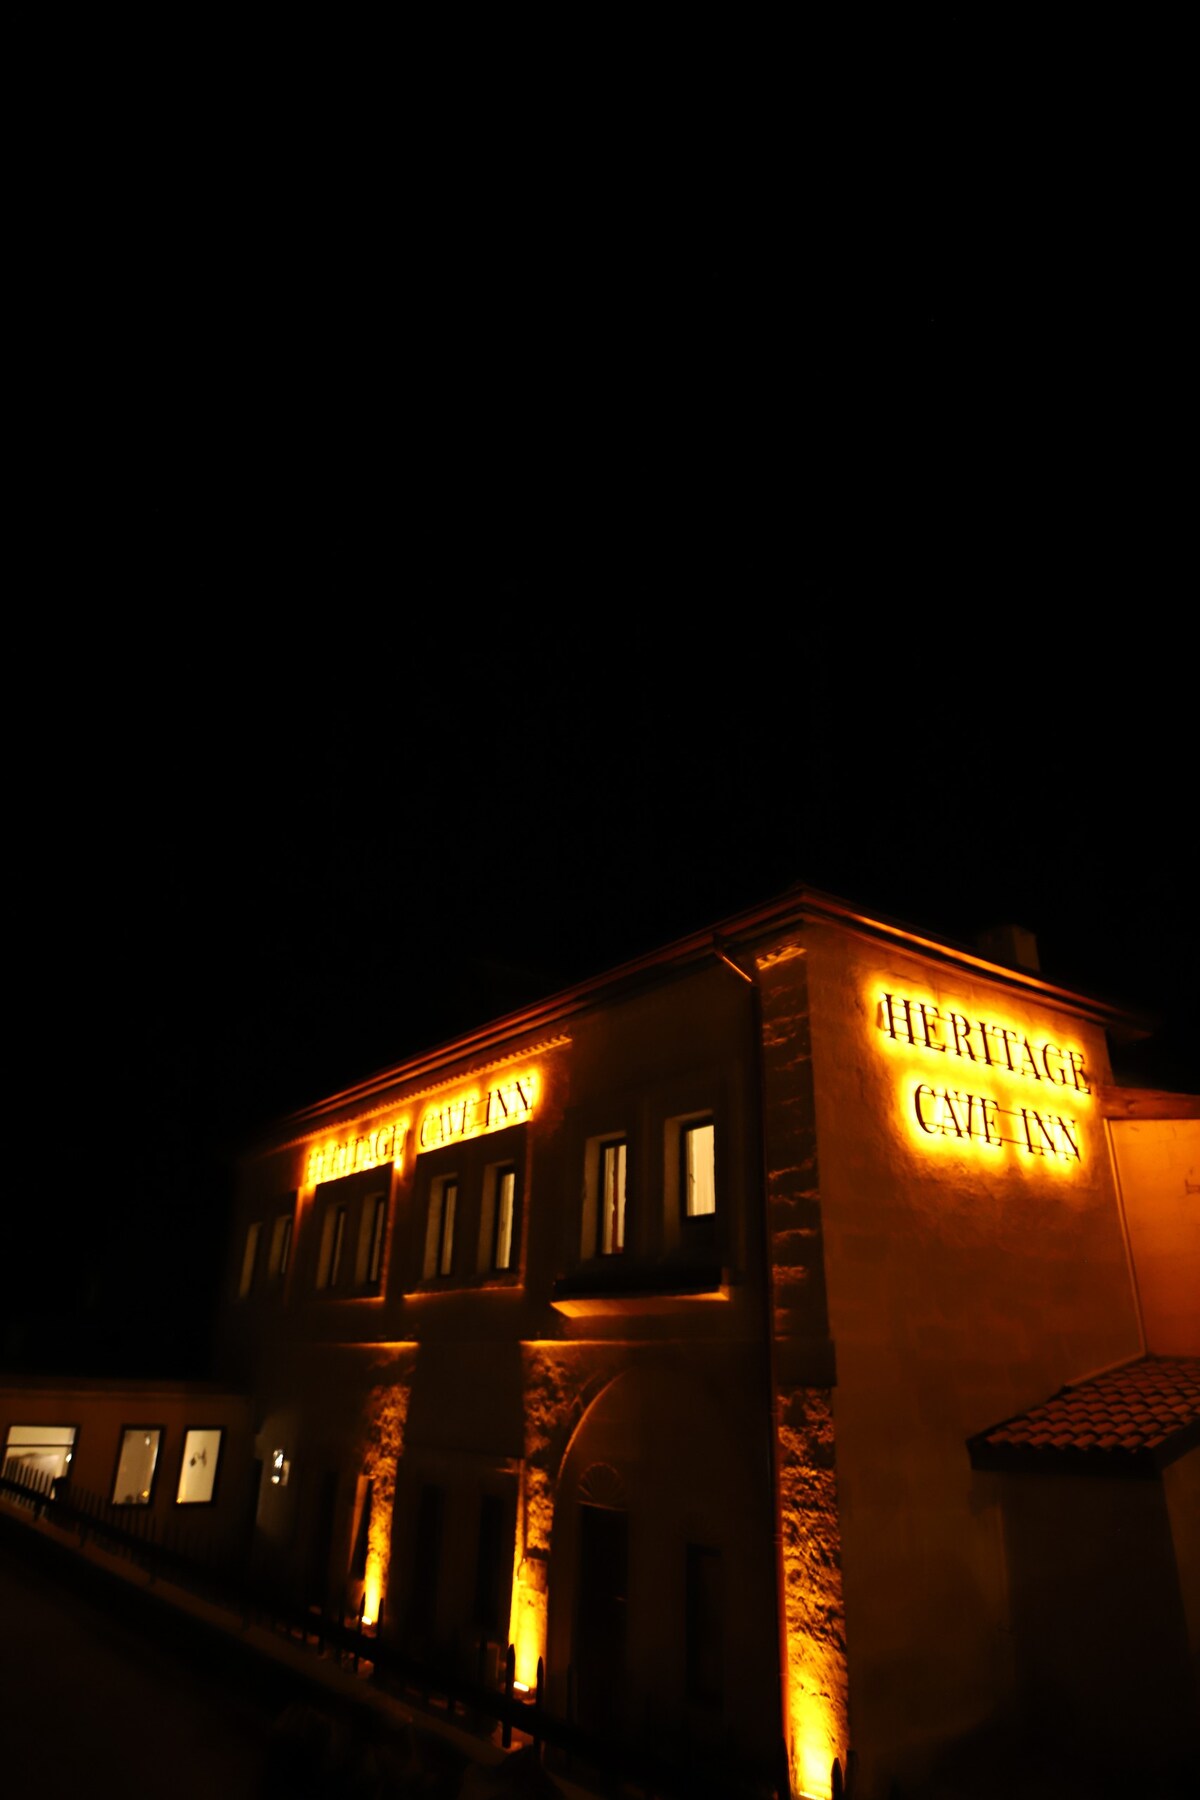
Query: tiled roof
[{"x": 1128, "y": 1421}]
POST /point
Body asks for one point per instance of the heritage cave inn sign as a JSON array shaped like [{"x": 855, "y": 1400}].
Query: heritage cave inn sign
[
  {"x": 447, "y": 1121},
  {"x": 942, "y": 1110}
]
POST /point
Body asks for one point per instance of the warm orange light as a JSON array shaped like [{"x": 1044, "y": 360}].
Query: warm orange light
[
  {"x": 372, "y": 1589},
  {"x": 985, "y": 1084},
  {"x": 528, "y": 1629},
  {"x": 474, "y": 1112},
  {"x": 384, "y": 1448},
  {"x": 363, "y": 1150}
]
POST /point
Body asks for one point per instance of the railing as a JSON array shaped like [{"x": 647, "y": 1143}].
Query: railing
[{"x": 473, "y": 1703}]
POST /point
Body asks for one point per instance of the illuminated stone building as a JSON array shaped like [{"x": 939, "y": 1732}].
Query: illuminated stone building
[{"x": 791, "y": 1335}]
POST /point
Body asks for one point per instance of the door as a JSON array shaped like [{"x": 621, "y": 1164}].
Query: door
[{"x": 601, "y": 1616}]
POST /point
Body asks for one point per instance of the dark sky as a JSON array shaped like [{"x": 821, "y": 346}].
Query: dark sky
[{"x": 400, "y": 639}]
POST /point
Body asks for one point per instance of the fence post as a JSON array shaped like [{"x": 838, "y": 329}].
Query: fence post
[{"x": 510, "y": 1675}]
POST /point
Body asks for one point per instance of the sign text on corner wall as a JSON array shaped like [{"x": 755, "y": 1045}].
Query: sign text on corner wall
[{"x": 984, "y": 1050}]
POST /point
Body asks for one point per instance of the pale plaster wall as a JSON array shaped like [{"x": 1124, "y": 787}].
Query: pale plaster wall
[
  {"x": 1158, "y": 1164},
  {"x": 964, "y": 1284}
]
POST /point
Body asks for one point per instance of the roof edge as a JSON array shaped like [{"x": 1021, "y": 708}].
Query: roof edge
[{"x": 798, "y": 906}]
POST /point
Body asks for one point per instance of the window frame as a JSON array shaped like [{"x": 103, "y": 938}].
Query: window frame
[
  {"x": 495, "y": 1176},
  {"x": 331, "y": 1247},
  {"x": 377, "y": 1201},
  {"x": 619, "y": 1143},
  {"x": 67, "y": 1446},
  {"x": 279, "y": 1251},
  {"x": 248, "y": 1270},
  {"x": 212, "y": 1496},
  {"x": 688, "y": 1128},
  {"x": 437, "y": 1263},
  {"x": 131, "y": 1431}
]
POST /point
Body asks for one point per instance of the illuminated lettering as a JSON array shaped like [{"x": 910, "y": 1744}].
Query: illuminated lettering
[
  {"x": 947, "y": 1101},
  {"x": 474, "y": 1114},
  {"x": 1075, "y": 1058},
  {"x": 930, "y": 1017},
  {"x": 1072, "y": 1147},
  {"x": 330, "y": 1162},
  {"x": 990, "y": 1122},
  {"x": 905, "y": 1033},
  {"x": 918, "y": 1027}
]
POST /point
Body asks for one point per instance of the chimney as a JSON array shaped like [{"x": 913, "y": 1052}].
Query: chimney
[{"x": 1010, "y": 944}]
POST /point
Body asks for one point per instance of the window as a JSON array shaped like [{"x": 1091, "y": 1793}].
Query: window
[
  {"x": 281, "y": 1247},
  {"x": 697, "y": 1172},
  {"x": 504, "y": 1184},
  {"x": 439, "y": 1231},
  {"x": 136, "y": 1464},
  {"x": 368, "y": 1268},
  {"x": 705, "y": 1626},
  {"x": 198, "y": 1469},
  {"x": 249, "y": 1258},
  {"x": 498, "y": 1222},
  {"x": 333, "y": 1235},
  {"x": 605, "y": 1218},
  {"x": 38, "y": 1454},
  {"x": 611, "y": 1235}
]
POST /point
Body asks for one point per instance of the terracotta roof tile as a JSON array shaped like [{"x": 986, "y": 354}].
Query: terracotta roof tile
[{"x": 1130, "y": 1420}]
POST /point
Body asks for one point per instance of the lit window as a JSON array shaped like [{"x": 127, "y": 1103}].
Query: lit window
[
  {"x": 136, "y": 1464},
  {"x": 506, "y": 1184},
  {"x": 198, "y": 1470},
  {"x": 38, "y": 1454},
  {"x": 611, "y": 1239},
  {"x": 439, "y": 1231},
  {"x": 333, "y": 1235},
  {"x": 249, "y": 1258},
  {"x": 281, "y": 1246},
  {"x": 698, "y": 1169},
  {"x": 369, "y": 1263}
]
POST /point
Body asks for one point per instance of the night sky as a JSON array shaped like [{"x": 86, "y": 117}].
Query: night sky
[{"x": 396, "y": 649}]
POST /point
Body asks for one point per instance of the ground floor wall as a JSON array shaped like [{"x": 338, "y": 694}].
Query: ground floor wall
[
  {"x": 604, "y": 1507},
  {"x": 1098, "y": 1616}
]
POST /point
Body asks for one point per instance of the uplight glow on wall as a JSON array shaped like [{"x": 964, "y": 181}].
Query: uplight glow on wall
[{"x": 983, "y": 1084}]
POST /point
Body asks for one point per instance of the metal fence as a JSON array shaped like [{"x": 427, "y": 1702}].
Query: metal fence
[{"x": 212, "y": 1572}]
